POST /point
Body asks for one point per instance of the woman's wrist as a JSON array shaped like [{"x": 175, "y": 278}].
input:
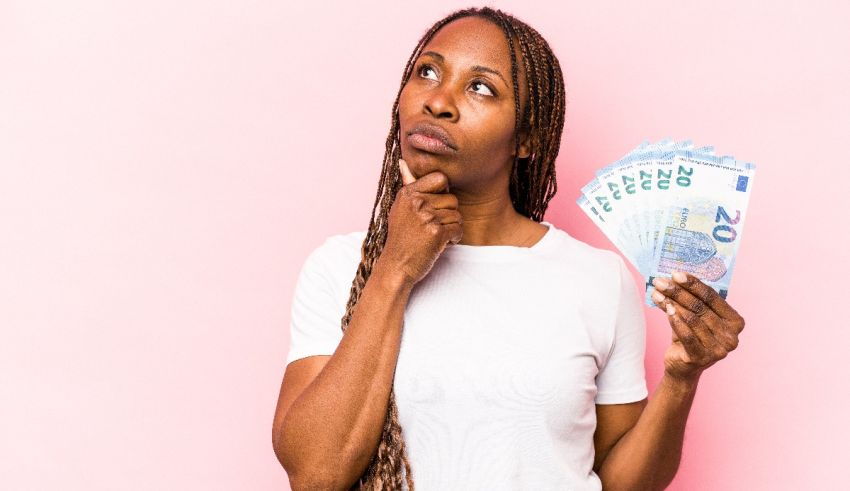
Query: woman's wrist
[
  {"x": 680, "y": 385},
  {"x": 391, "y": 276}
]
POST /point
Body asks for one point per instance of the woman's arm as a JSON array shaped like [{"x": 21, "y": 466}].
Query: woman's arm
[
  {"x": 327, "y": 437},
  {"x": 647, "y": 456},
  {"x": 705, "y": 330}
]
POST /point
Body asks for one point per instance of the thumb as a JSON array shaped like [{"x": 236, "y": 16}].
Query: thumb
[{"x": 406, "y": 176}]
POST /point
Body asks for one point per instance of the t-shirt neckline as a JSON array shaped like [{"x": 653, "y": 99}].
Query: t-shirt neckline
[{"x": 501, "y": 252}]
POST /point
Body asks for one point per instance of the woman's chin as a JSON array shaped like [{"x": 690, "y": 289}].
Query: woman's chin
[
  {"x": 429, "y": 160},
  {"x": 426, "y": 163}
]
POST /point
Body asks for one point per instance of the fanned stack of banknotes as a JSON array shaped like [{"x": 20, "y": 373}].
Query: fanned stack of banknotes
[{"x": 670, "y": 207}]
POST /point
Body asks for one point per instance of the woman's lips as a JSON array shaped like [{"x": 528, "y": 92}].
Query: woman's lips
[{"x": 428, "y": 144}]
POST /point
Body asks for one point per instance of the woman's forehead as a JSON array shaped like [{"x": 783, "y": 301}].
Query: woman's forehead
[{"x": 472, "y": 41}]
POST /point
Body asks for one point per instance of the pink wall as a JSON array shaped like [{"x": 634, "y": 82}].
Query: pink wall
[{"x": 166, "y": 167}]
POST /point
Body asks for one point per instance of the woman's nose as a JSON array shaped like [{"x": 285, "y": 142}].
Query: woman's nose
[{"x": 440, "y": 104}]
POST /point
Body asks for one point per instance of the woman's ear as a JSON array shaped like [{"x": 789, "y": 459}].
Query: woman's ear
[{"x": 524, "y": 144}]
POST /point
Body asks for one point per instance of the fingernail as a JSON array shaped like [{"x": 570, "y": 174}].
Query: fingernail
[
  {"x": 680, "y": 277},
  {"x": 670, "y": 309},
  {"x": 661, "y": 283},
  {"x": 657, "y": 296}
]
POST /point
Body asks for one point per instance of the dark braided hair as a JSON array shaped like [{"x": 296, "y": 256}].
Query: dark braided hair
[{"x": 532, "y": 185}]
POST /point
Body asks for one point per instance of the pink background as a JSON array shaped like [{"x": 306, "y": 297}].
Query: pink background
[{"x": 167, "y": 166}]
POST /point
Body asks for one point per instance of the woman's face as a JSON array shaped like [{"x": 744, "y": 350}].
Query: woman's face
[{"x": 461, "y": 83}]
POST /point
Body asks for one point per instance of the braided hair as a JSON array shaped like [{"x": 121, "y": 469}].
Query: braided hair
[{"x": 532, "y": 185}]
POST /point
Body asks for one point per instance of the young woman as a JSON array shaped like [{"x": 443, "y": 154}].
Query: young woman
[{"x": 478, "y": 346}]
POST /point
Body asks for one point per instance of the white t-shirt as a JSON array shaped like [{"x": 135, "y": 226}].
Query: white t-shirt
[{"x": 504, "y": 352}]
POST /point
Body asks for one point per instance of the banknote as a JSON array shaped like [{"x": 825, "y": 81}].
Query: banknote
[{"x": 670, "y": 207}]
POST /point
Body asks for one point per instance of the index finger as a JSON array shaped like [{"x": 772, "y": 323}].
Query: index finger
[
  {"x": 407, "y": 177},
  {"x": 432, "y": 182},
  {"x": 707, "y": 294}
]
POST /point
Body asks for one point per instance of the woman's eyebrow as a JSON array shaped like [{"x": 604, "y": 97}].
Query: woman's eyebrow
[
  {"x": 484, "y": 69},
  {"x": 434, "y": 54},
  {"x": 474, "y": 68}
]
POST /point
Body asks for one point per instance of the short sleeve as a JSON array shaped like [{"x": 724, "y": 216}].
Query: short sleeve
[
  {"x": 316, "y": 319},
  {"x": 623, "y": 379}
]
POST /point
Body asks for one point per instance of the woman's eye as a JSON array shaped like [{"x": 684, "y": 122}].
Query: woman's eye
[
  {"x": 424, "y": 68},
  {"x": 482, "y": 84}
]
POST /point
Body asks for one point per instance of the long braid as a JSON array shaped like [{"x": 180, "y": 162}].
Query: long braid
[{"x": 532, "y": 185}]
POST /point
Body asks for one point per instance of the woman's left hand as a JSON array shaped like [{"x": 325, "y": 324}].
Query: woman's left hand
[{"x": 705, "y": 327}]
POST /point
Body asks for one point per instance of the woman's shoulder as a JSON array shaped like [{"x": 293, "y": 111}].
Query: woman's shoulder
[
  {"x": 578, "y": 251},
  {"x": 345, "y": 241},
  {"x": 601, "y": 272},
  {"x": 338, "y": 251}
]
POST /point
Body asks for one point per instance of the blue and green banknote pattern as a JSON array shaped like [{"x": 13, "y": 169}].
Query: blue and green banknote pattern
[{"x": 668, "y": 207}]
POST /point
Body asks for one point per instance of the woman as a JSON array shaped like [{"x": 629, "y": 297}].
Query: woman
[{"x": 488, "y": 349}]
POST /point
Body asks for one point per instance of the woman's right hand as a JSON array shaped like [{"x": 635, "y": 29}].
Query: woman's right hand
[{"x": 423, "y": 220}]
